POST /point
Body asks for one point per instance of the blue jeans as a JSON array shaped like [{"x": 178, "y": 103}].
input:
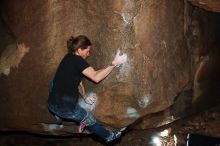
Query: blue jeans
[{"x": 78, "y": 114}]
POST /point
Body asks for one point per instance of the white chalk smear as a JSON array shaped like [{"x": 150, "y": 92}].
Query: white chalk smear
[
  {"x": 144, "y": 101},
  {"x": 132, "y": 112},
  {"x": 87, "y": 106},
  {"x": 51, "y": 127},
  {"x": 124, "y": 70}
]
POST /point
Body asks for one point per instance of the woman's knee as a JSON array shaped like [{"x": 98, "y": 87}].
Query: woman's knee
[{"x": 90, "y": 119}]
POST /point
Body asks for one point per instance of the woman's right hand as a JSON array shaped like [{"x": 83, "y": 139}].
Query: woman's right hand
[{"x": 119, "y": 59}]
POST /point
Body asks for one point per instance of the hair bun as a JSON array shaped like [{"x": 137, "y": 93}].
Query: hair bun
[
  {"x": 70, "y": 41},
  {"x": 72, "y": 37}
]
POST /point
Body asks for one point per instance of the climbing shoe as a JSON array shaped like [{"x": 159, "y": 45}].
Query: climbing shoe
[{"x": 114, "y": 135}]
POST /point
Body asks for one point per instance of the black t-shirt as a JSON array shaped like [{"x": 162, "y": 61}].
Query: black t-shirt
[{"x": 68, "y": 77}]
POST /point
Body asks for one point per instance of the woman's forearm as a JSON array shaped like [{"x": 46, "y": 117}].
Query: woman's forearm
[
  {"x": 98, "y": 75},
  {"x": 103, "y": 73}
]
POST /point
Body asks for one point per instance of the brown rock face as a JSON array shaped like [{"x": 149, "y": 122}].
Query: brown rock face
[
  {"x": 157, "y": 68},
  {"x": 162, "y": 39}
]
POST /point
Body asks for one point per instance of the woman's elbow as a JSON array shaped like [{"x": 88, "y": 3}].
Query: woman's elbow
[{"x": 97, "y": 80}]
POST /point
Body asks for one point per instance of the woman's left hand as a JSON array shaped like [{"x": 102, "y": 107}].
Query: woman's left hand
[{"x": 90, "y": 99}]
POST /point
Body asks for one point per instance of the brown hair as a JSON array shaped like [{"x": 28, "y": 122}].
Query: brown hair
[{"x": 81, "y": 41}]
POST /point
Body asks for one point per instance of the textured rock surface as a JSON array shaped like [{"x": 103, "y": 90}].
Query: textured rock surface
[
  {"x": 210, "y": 5},
  {"x": 164, "y": 42},
  {"x": 157, "y": 68}
]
